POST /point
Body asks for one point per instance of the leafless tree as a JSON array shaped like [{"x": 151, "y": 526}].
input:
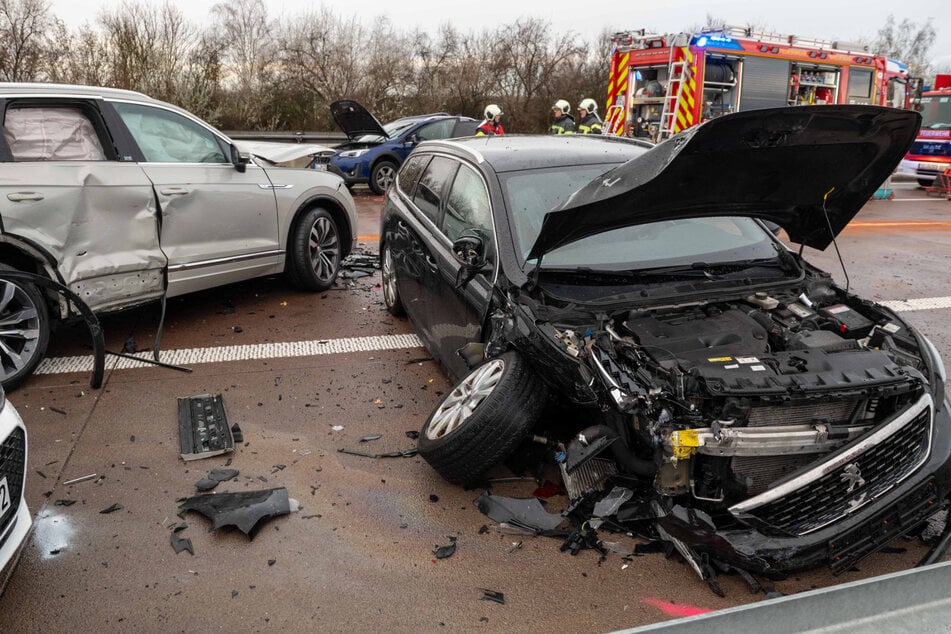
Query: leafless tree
[
  {"x": 24, "y": 26},
  {"x": 907, "y": 42}
]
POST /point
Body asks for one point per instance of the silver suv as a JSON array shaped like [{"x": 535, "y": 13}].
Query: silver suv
[{"x": 126, "y": 199}]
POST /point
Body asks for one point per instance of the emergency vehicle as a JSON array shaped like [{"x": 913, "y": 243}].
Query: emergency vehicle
[
  {"x": 930, "y": 154},
  {"x": 662, "y": 84}
]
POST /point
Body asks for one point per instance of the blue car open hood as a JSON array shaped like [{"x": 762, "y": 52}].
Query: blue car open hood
[{"x": 775, "y": 164}]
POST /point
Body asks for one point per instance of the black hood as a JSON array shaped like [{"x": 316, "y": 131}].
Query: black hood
[
  {"x": 776, "y": 164},
  {"x": 355, "y": 120}
]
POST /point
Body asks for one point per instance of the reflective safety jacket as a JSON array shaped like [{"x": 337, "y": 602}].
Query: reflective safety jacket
[
  {"x": 565, "y": 124},
  {"x": 591, "y": 124},
  {"x": 487, "y": 128}
]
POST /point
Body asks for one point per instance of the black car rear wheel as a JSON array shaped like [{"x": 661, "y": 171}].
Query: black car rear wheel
[
  {"x": 24, "y": 330},
  {"x": 381, "y": 176},
  {"x": 925, "y": 182},
  {"x": 483, "y": 419},
  {"x": 313, "y": 258},
  {"x": 391, "y": 296}
]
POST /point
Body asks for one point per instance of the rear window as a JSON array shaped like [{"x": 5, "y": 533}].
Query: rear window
[{"x": 51, "y": 133}]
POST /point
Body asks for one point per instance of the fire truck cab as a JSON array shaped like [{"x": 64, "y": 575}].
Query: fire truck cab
[
  {"x": 930, "y": 154},
  {"x": 663, "y": 84}
]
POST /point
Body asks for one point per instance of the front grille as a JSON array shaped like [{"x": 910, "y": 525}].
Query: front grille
[
  {"x": 758, "y": 472},
  {"x": 802, "y": 413},
  {"x": 12, "y": 466},
  {"x": 827, "y": 498}
]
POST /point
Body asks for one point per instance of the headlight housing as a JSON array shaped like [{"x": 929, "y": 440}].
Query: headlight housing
[{"x": 353, "y": 153}]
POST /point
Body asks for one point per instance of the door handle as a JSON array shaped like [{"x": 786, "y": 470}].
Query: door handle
[
  {"x": 24, "y": 196},
  {"x": 432, "y": 263},
  {"x": 173, "y": 191}
]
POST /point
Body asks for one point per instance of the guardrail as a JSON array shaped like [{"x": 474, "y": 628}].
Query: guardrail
[{"x": 324, "y": 138}]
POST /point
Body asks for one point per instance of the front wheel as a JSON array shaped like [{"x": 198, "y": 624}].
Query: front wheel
[
  {"x": 483, "y": 419},
  {"x": 381, "y": 176},
  {"x": 24, "y": 330},
  {"x": 313, "y": 258}
]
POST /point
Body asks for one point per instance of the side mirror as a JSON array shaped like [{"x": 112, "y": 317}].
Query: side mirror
[
  {"x": 412, "y": 139},
  {"x": 469, "y": 251},
  {"x": 240, "y": 162}
]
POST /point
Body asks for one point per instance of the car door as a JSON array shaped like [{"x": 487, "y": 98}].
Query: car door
[
  {"x": 71, "y": 193},
  {"x": 219, "y": 224},
  {"x": 458, "y": 313}
]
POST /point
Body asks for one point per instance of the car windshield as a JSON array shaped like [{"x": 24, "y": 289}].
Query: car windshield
[{"x": 684, "y": 242}]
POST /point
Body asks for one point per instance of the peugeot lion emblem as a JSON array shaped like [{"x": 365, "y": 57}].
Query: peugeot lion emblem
[{"x": 853, "y": 475}]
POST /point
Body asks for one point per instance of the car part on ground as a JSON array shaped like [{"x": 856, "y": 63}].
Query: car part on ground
[
  {"x": 765, "y": 419},
  {"x": 128, "y": 200},
  {"x": 483, "y": 419},
  {"x": 246, "y": 511},
  {"x": 203, "y": 429}
]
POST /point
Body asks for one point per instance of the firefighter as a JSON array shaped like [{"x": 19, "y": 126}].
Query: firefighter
[
  {"x": 590, "y": 122},
  {"x": 491, "y": 125},
  {"x": 564, "y": 123}
]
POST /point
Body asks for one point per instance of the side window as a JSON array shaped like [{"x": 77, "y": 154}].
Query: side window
[
  {"x": 167, "y": 137},
  {"x": 51, "y": 133},
  {"x": 436, "y": 130},
  {"x": 410, "y": 172},
  {"x": 432, "y": 186},
  {"x": 467, "y": 207}
]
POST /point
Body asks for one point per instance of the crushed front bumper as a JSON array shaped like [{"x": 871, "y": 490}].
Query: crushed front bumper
[{"x": 842, "y": 543}]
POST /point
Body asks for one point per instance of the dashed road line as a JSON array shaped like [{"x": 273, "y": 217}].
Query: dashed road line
[{"x": 317, "y": 347}]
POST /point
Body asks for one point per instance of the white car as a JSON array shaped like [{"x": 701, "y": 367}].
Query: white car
[{"x": 15, "y": 518}]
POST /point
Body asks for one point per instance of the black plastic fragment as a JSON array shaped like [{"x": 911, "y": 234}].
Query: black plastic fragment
[
  {"x": 112, "y": 509},
  {"x": 215, "y": 476},
  {"x": 64, "y": 502},
  {"x": 246, "y": 510},
  {"x": 493, "y": 595},
  {"x": 406, "y": 453},
  {"x": 412, "y": 435},
  {"x": 445, "y": 552},
  {"x": 370, "y": 437},
  {"x": 521, "y": 512},
  {"x": 181, "y": 543},
  {"x": 236, "y": 433}
]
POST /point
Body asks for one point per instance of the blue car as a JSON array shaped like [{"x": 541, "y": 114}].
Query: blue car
[{"x": 374, "y": 152}]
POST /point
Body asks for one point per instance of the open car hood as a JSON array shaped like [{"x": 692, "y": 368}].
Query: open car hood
[
  {"x": 775, "y": 164},
  {"x": 355, "y": 120}
]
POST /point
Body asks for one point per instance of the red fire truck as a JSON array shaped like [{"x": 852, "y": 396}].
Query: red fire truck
[
  {"x": 662, "y": 84},
  {"x": 930, "y": 154}
]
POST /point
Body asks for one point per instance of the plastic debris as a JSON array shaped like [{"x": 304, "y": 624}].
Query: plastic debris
[
  {"x": 519, "y": 512},
  {"x": 370, "y": 437},
  {"x": 64, "y": 502},
  {"x": 112, "y": 509},
  {"x": 181, "y": 543},
  {"x": 81, "y": 479},
  {"x": 445, "y": 552},
  {"x": 246, "y": 510},
  {"x": 493, "y": 595},
  {"x": 610, "y": 503},
  {"x": 405, "y": 453},
  {"x": 215, "y": 476}
]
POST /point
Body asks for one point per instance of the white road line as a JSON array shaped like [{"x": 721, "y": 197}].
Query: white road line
[
  {"x": 193, "y": 356},
  {"x": 252, "y": 352}
]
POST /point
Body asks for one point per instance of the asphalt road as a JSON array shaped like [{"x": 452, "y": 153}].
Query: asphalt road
[{"x": 359, "y": 555}]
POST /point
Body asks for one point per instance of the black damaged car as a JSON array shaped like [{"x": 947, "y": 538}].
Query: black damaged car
[{"x": 767, "y": 418}]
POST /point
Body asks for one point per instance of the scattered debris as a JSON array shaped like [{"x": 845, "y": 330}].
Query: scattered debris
[
  {"x": 493, "y": 595},
  {"x": 412, "y": 435},
  {"x": 215, "y": 476},
  {"x": 278, "y": 467},
  {"x": 370, "y": 437},
  {"x": 203, "y": 429},
  {"x": 41, "y": 474},
  {"x": 181, "y": 543},
  {"x": 58, "y": 411},
  {"x": 336, "y": 427},
  {"x": 129, "y": 346},
  {"x": 527, "y": 513},
  {"x": 236, "y": 433},
  {"x": 271, "y": 562},
  {"x": 84, "y": 478},
  {"x": 406, "y": 453},
  {"x": 246, "y": 510},
  {"x": 112, "y": 509},
  {"x": 433, "y": 497},
  {"x": 515, "y": 546},
  {"x": 445, "y": 552},
  {"x": 64, "y": 502}
]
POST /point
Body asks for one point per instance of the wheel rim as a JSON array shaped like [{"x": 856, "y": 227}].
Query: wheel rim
[
  {"x": 389, "y": 278},
  {"x": 324, "y": 249},
  {"x": 463, "y": 400},
  {"x": 19, "y": 328},
  {"x": 384, "y": 176}
]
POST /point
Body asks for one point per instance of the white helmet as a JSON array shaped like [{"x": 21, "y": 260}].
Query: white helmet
[
  {"x": 588, "y": 104},
  {"x": 492, "y": 111},
  {"x": 562, "y": 105}
]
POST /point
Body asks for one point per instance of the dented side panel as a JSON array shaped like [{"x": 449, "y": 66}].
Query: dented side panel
[{"x": 97, "y": 219}]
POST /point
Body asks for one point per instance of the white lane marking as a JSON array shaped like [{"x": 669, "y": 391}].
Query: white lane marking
[{"x": 249, "y": 352}]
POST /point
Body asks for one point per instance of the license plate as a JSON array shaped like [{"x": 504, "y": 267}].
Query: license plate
[{"x": 5, "y": 501}]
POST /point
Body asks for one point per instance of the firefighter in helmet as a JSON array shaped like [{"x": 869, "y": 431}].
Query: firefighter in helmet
[
  {"x": 491, "y": 126},
  {"x": 590, "y": 122},
  {"x": 564, "y": 123}
]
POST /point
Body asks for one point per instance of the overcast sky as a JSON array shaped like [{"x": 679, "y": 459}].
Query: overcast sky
[{"x": 827, "y": 19}]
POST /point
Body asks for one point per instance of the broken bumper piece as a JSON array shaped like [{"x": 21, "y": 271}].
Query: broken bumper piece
[{"x": 246, "y": 510}]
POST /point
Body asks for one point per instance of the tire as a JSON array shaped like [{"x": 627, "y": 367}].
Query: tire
[
  {"x": 391, "y": 295},
  {"x": 925, "y": 182},
  {"x": 381, "y": 176},
  {"x": 24, "y": 330},
  {"x": 313, "y": 258},
  {"x": 467, "y": 434}
]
